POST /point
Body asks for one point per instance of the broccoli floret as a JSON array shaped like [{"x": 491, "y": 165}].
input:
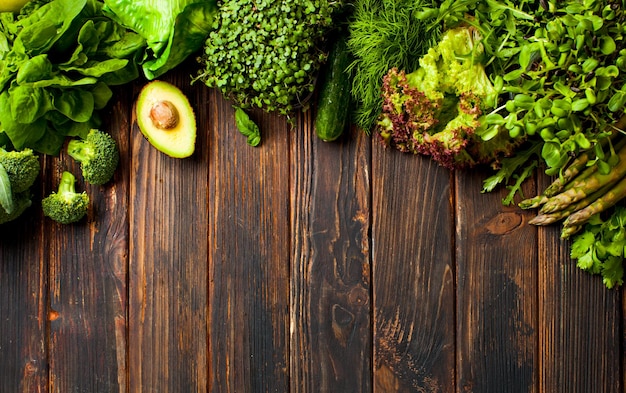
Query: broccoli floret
[
  {"x": 66, "y": 205},
  {"x": 98, "y": 155},
  {"x": 21, "y": 201},
  {"x": 437, "y": 109},
  {"x": 22, "y": 167}
]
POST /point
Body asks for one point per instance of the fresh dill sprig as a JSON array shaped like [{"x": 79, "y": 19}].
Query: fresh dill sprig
[{"x": 384, "y": 34}]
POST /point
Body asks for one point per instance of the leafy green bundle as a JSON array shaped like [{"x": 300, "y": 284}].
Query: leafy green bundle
[
  {"x": 601, "y": 248},
  {"x": 58, "y": 60},
  {"x": 384, "y": 34},
  {"x": 173, "y": 29}
]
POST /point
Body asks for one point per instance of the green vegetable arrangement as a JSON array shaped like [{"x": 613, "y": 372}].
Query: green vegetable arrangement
[
  {"x": 58, "y": 60},
  {"x": 558, "y": 72},
  {"x": 384, "y": 34},
  {"x": 173, "y": 29},
  {"x": 266, "y": 54},
  {"x": 437, "y": 109}
]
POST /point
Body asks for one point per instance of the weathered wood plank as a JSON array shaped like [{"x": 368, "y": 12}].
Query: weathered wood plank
[
  {"x": 168, "y": 260},
  {"x": 413, "y": 274},
  {"x": 23, "y": 303},
  {"x": 580, "y": 323},
  {"x": 330, "y": 280},
  {"x": 248, "y": 240},
  {"x": 496, "y": 290},
  {"x": 88, "y": 273}
]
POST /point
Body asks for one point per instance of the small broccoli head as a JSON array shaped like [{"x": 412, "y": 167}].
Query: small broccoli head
[
  {"x": 21, "y": 166},
  {"x": 98, "y": 155},
  {"x": 66, "y": 205},
  {"x": 436, "y": 110},
  {"x": 21, "y": 201}
]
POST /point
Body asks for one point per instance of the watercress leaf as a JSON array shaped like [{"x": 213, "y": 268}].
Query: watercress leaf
[
  {"x": 551, "y": 153},
  {"x": 603, "y": 167},
  {"x": 526, "y": 54},
  {"x": 513, "y": 75},
  {"x": 490, "y": 132},
  {"x": 582, "y": 141},
  {"x": 580, "y": 105},
  {"x": 617, "y": 101},
  {"x": 607, "y": 45}
]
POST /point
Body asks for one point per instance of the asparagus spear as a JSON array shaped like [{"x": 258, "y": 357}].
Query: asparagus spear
[
  {"x": 568, "y": 231},
  {"x": 580, "y": 162},
  {"x": 581, "y": 188},
  {"x": 609, "y": 199},
  {"x": 550, "y": 218},
  {"x": 541, "y": 199},
  {"x": 570, "y": 173}
]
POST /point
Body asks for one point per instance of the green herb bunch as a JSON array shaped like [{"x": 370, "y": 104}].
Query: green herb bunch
[
  {"x": 599, "y": 249},
  {"x": 266, "y": 54},
  {"x": 384, "y": 34},
  {"x": 565, "y": 78},
  {"x": 560, "y": 68}
]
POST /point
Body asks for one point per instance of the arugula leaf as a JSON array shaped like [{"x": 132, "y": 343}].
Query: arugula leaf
[{"x": 510, "y": 167}]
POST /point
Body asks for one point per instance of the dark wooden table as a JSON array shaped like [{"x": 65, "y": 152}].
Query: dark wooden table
[{"x": 297, "y": 266}]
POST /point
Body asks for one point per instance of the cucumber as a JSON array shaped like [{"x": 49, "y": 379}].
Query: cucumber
[{"x": 333, "y": 102}]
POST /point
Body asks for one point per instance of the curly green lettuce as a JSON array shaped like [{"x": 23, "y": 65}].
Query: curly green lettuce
[{"x": 438, "y": 109}]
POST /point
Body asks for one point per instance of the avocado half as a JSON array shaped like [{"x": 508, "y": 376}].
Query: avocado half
[
  {"x": 12, "y": 5},
  {"x": 166, "y": 119}
]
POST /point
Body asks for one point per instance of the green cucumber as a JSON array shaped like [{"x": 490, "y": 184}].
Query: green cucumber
[{"x": 333, "y": 102}]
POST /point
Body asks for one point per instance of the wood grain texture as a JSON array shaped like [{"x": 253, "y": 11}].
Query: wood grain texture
[
  {"x": 496, "y": 259},
  {"x": 297, "y": 266},
  {"x": 88, "y": 277},
  {"x": 23, "y": 304},
  {"x": 168, "y": 262},
  {"x": 330, "y": 282},
  {"x": 580, "y": 324},
  {"x": 413, "y": 274},
  {"x": 249, "y": 244}
]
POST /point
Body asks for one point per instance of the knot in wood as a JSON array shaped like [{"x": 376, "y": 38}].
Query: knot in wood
[{"x": 503, "y": 223}]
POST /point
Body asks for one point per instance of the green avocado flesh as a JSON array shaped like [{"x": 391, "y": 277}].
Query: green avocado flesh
[{"x": 166, "y": 119}]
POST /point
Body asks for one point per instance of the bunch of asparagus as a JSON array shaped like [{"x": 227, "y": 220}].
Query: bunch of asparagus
[{"x": 581, "y": 192}]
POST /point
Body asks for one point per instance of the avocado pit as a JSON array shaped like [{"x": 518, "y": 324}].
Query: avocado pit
[
  {"x": 166, "y": 119},
  {"x": 164, "y": 115}
]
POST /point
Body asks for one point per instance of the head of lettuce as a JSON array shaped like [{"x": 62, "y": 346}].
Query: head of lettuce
[{"x": 173, "y": 29}]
